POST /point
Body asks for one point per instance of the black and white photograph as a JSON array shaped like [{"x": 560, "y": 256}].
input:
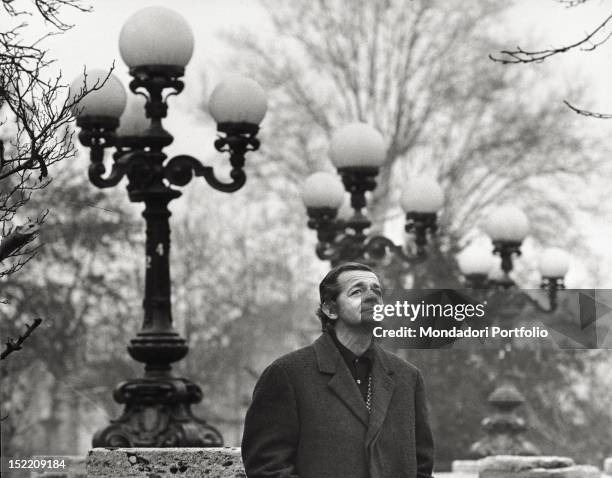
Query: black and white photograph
[{"x": 306, "y": 239}]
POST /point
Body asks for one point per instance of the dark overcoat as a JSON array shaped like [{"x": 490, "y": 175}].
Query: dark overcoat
[{"x": 309, "y": 420}]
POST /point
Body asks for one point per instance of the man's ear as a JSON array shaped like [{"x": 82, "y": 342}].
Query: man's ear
[{"x": 330, "y": 310}]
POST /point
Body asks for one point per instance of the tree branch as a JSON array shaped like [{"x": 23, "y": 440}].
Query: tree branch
[
  {"x": 587, "y": 113},
  {"x": 571, "y": 3},
  {"x": 13, "y": 345},
  {"x": 523, "y": 56}
]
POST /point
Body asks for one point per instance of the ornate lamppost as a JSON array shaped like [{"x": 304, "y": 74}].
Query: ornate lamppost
[
  {"x": 507, "y": 227},
  {"x": 358, "y": 151},
  {"x": 156, "y": 44}
]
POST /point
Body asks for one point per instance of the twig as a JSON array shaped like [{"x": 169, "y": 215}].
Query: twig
[
  {"x": 12, "y": 345},
  {"x": 587, "y": 113},
  {"x": 522, "y": 56},
  {"x": 571, "y": 3}
]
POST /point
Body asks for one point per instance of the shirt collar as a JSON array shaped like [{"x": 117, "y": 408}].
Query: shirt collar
[{"x": 348, "y": 355}]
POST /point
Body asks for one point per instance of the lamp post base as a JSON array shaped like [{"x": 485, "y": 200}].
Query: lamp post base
[
  {"x": 504, "y": 428},
  {"x": 158, "y": 414}
]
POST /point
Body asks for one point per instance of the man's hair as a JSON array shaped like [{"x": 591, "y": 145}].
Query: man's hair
[{"x": 329, "y": 289}]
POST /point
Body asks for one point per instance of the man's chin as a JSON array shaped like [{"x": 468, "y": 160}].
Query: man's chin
[{"x": 367, "y": 320}]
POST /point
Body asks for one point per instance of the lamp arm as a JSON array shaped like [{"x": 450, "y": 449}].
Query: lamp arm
[
  {"x": 181, "y": 169},
  {"x": 378, "y": 247},
  {"x": 97, "y": 169},
  {"x": 326, "y": 251}
]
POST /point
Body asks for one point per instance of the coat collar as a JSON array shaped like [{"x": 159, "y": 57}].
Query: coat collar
[{"x": 329, "y": 361}]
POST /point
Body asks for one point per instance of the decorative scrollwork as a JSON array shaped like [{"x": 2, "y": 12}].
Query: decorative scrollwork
[
  {"x": 97, "y": 131},
  {"x": 346, "y": 240},
  {"x": 550, "y": 285},
  {"x": 158, "y": 413},
  {"x": 345, "y": 247},
  {"x": 421, "y": 224},
  {"x": 239, "y": 139},
  {"x": 181, "y": 169},
  {"x": 506, "y": 249},
  {"x": 377, "y": 247},
  {"x": 156, "y": 78},
  {"x": 97, "y": 169},
  {"x": 323, "y": 220},
  {"x": 357, "y": 181}
]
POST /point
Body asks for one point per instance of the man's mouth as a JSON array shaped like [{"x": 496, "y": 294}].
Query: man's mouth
[
  {"x": 367, "y": 310},
  {"x": 369, "y": 307}
]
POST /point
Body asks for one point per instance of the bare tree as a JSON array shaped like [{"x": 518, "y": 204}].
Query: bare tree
[
  {"x": 80, "y": 283},
  {"x": 35, "y": 114}
]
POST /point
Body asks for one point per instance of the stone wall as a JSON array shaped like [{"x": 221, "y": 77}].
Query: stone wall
[{"x": 159, "y": 462}]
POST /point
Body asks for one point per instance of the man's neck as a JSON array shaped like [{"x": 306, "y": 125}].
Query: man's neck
[{"x": 356, "y": 340}]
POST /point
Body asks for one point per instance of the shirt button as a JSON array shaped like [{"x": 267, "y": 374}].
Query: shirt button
[{"x": 358, "y": 382}]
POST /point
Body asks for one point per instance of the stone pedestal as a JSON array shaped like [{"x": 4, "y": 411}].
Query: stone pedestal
[
  {"x": 160, "y": 462},
  {"x": 504, "y": 429},
  {"x": 507, "y": 466}
]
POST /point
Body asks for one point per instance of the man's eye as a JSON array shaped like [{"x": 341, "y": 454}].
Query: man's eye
[{"x": 355, "y": 292}]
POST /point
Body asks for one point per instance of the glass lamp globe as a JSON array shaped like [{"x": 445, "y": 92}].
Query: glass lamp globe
[
  {"x": 554, "y": 263},
  {"x": 422, "y": 194},
  {"x": 238, "y": 100},
  {"x": 507, "y": 223},
  {"x": 156, "y": 36},
  {"x": 345, "y": 211},
  {"x": 108, "y": 101},
  {"x": 322, "y": 190},
  {"x": 133, "y": 121},
  {"x": 357, "y": 145},
  {"x": 475, "y": 260}
]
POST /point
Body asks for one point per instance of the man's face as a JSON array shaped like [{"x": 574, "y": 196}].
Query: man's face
[{"x": 359, "y": 292}]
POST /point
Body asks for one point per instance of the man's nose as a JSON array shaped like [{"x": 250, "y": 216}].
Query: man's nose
[{"x": 371, "y": 296}]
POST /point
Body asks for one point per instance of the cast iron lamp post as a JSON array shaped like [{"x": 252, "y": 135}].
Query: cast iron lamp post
[
  {"x": 358, "y": 151},
  {"x": 508, "y": 226},
  {"x": 156, "y": 44}
]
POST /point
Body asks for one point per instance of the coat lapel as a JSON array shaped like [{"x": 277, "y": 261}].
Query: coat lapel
[
  {"x": 383, "y": 384},
  {"x": 341, "y": 383}
]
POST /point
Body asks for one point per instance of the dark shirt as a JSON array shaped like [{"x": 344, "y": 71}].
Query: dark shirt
[{"x": 359, "y": 366}]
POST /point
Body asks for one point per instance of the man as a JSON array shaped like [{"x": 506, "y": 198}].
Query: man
[{"x": 342, "y": 407}]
